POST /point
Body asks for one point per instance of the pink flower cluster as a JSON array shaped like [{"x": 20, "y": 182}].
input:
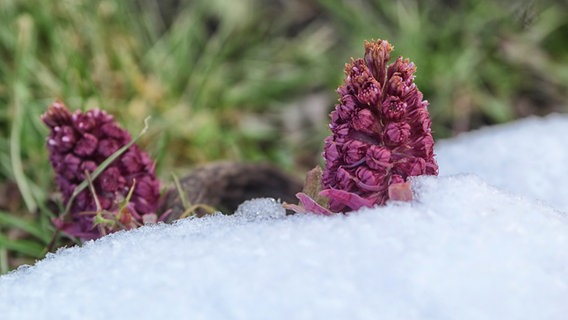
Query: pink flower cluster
[
  {"x": 380, "y": 133},
  {"x": 78, "y": 143}
]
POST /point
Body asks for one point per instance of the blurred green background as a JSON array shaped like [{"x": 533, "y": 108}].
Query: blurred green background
[{"x": 250, "y": 80}]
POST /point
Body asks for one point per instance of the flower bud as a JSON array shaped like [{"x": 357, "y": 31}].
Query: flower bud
[
  {"x": 396, "y": 133},
  {"x": 78, "y": 143},
  {"x": 380, "y": 133}
]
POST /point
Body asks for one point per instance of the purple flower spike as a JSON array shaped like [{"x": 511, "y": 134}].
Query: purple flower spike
[
  {"x": 380, "y": 134},
  {"x": 78, "y": 143}
]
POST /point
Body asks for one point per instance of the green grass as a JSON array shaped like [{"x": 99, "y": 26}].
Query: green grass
[{"x": 221, "y": 78}]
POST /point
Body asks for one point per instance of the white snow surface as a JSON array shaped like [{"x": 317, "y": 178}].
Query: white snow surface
[
  {"x": 487, "y": 239},
  {"x": 529, "y": 157}
]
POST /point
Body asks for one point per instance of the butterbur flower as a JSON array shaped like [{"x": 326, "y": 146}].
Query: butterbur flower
[
  {"x": 123, "y": 196},
  {"x": 380, "y": 136}
]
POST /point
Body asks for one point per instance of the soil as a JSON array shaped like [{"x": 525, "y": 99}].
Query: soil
[{"x": 225, "y": 185}]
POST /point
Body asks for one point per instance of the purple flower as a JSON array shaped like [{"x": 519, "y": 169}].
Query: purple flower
[
  {"x": 78, "y": 143},
  {"x": 380, "y": 135}
]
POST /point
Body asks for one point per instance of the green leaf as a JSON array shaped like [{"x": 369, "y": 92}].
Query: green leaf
[
  {"x": 26, "y": 247},
  {"x": 10, "y": 220}
]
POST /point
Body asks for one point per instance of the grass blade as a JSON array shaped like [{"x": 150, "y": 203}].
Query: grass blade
[
  {"x": 4, "y": 267},
  {"x": 26, "y": 247},
  {"x": 22, "y": 59},
  {"x": 10, "y": 220},
  {"x": 15, "y": 151}
]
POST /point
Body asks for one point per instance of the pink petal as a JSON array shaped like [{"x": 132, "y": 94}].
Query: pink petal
[
  {"x": 308, "y": 205},
  {"x": 352, "y": 200},
  {"x": 400, "y": 191}
]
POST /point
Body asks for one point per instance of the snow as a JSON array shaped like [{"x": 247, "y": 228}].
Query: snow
[
  {"x": 487, "y": 239},
  {"x": 528, "y": 158}
]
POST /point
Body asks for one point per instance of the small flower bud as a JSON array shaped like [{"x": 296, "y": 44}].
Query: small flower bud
[
  {"x": 396, "y": 133},
  {"x": 378, "y": 158},
  {"x": 364, "y": 121},
  {"x": 354, "y": 151}
]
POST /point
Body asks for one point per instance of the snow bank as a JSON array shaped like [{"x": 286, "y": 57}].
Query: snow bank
[
  {"x": 462, "y": 250},
  {"x": 529, "y": 157}
]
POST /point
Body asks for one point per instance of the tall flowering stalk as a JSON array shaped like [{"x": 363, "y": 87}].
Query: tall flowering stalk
[
  {"x": 123, "y": 196},
  {"x": 380, "y": 136}
]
